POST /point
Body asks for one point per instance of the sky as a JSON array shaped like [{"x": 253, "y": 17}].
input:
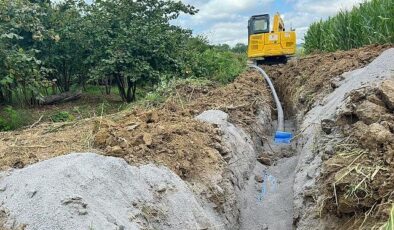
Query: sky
[{"x": 225, "y": 21}]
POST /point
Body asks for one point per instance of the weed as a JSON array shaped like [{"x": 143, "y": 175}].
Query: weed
[
  {"x": 62, "y": 116},
  {"x": 11, "y": 119}
]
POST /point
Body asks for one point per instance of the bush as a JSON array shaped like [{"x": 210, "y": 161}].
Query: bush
[
  {"x": 62, "y": 117},
  {"x": 218, "y": 65},
  {"x": 369, "y": 23},
  {"x": 11, "y": 119}
]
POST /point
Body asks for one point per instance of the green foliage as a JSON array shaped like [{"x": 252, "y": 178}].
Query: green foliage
[
  {"x": 240, "y": 48},
  {"x": 47, "y": 47},
  {"x": 370, "y": 23},
  {"x": 11, "y": 119},
  {"x": 62, "y": 116}
]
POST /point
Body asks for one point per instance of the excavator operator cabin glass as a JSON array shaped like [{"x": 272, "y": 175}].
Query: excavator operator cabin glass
[{"x": 259, "y": 24}]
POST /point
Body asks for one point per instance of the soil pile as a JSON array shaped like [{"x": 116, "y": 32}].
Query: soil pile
[
  {"x": 156, "y": 135},
  {"x": 171, "y": 136},
  {"x": 306, "y": 80},
  {"x": 362, "y": 169},
  {"x": 89, "y": 191},
  {"x": 344, "y": 173}
]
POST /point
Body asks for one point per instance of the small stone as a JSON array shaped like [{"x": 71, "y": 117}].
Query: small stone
[
  {"x": 116, "y": 150},
  {"x": 3, "y": 188},
  {"x": 311, "y": 173},
  {"x": 264, "y": 160},
  {"x": 132, "y": 127},
  {"x": 82, "y": 212},
  {"x": 327, "y": 125},
  {"x": 329, "y": 150},
  {"x": 147, "y": 139},
  {"x": 259, "y": 178},
  {"x": 32, "y": 193},
  {"x": 264, "y": 227},
  {"x": 161, "y": 188}
]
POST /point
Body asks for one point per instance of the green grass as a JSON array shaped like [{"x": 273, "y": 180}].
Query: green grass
[
  {"x": 372, "y": 22},
  {"x": 12, "y": 118},
  {"x": 390, "y": 223}
]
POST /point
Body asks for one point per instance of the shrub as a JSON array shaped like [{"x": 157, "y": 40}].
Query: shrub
[
  {"x": 62, "y": 117},
  {"x": 11, "y": 119}
]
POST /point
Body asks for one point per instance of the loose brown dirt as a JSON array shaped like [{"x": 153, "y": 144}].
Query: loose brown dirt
[{"x": 167, "y": 135}]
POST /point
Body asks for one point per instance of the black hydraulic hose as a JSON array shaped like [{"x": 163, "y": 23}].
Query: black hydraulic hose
[{"x": 279, "y": 108}]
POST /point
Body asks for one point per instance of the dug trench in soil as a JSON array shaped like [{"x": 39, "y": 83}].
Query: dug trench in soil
[
  {"x": 215, "y": 155},
  {"x": 343, "y": 179},
  {"x": 214, "y": 164}
]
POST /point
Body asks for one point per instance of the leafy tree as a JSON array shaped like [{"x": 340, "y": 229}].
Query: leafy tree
[
  {"x": 20, "y": 29},
  {"x": 240, "y": 48},
  {"x": 137, "y": 41}
]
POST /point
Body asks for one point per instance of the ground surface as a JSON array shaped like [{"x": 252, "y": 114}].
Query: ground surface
[{"x": 227, "y": 174}]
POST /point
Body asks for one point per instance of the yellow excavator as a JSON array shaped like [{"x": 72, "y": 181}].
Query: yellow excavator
[{"x": 267, "y": 45}]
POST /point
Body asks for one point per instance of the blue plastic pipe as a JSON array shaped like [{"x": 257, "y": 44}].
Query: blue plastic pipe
[{"x": 280, "y": 135}]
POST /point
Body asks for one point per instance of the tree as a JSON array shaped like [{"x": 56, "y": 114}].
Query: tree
[
  {"x": 136, "y": 41},
  {"x": 20, "y": 69},
  {"x": 240, "y": 48}
]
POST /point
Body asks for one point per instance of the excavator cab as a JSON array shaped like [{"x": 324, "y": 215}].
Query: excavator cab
[{"x": 269, "y": 45}]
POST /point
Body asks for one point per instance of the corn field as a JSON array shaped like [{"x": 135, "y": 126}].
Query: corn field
[{"x": 372, "y": 22}]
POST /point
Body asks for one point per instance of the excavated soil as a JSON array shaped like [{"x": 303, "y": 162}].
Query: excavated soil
[
  {"x": 306, "y": 80},
  {"x": 168, "y": 135},
  {"x": 360, "y": 167},
  {"x": 356, "y": 181},
  {"x": 363, "y": 167}
]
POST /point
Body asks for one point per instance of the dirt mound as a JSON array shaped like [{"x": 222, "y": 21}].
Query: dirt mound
[
  {"x": 171, "y": 136},
  {"x": 306, "y": 80},
  {"x": 362, "y": 169},
  {"x": 167, "y": 135},
  {"x": 190, "y": 148}
]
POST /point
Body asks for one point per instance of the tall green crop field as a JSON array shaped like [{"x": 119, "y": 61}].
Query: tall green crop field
[{"x": 372, "y": 22}]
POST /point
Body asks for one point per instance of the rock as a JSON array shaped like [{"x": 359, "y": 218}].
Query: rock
[
  {"x": 386, "y": 91},
  {"x": 132, "y": 127},
  {"x": 369, "y": 112},
  {"x": 264, "y": 160},
  {"x": 161, "y": 188},
  {"x": 259, "y": 178},
  {"x": 329, "y": 150},
  {"x": 116, "y": 151},
  {"x": 311, "y": 173},
  {"x": 327, "y": 125},
  {"x": 335, "y": 83},
  {"x": 3, "y": 188},
  {"x": 147, "y": 139}
]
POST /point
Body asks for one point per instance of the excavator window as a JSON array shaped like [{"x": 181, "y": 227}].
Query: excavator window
[{"x": 259, "y": 24}]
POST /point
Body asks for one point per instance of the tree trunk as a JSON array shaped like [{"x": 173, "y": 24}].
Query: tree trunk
[
  {"x": 63, "y": 97},
  {"x": 121, "y": 87}
]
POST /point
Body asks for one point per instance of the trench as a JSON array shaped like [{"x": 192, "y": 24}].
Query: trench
[{"x": 267, "y": 201}]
